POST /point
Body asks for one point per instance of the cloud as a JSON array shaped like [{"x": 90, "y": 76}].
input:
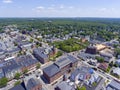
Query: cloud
[
  {"x": 39, "y": 8},
  {"x": 62, "y": 7},
  {"x": 7, "y": 1}
]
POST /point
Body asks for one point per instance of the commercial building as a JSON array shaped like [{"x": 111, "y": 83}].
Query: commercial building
[{"x": 60, "y": 67}]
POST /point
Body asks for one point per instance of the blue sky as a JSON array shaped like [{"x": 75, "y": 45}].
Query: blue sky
[{"x": 60, "y": 8}]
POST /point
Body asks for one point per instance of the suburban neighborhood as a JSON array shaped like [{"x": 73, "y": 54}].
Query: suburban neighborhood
[{"x": 29, "y": 63}]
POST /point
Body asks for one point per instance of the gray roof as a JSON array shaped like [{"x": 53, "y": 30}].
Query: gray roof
[
  {"x": 51, "y": 70},
  {"x": 10, "y": 65},
  {"x": 40, "y": 52},
  {"x": 81, "y": 72},
  {"x": 115, "y": 85},
  {"x": 31, "y": 83},
  {"x": 18, "y": 87},
  {"x": 26, "y": 60},
  {"x": 65, "y": 61},
  {"x": 22, "y": 43},
  {"x": 65, "y": 86},
  {"x": 14, "y": 50}
]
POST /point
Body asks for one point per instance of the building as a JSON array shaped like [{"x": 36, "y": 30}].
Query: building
[
  {"x": 64, "y": 86},
  {"x": 116, "y": 72},
  {"x": 91, "y": 50},
  {"x": 103, "y": 66},
  {"x": 32, "y": 84},
  {"x": 27, "y": 62},
  {"x": 118, "y": 62},
  {"x": 18, "y": 87},
  {"x": 10, "y": 68},
  {"x": 81, "y": 73},
  {"x": 23, "y": 45},
  {"x": 107, "y": 54},
  {"x": 60, "y": 67},
  {"x": 114, "y": 85},
  {"x": 43, "y": 54},
  {"x": 29, "y": 84}
]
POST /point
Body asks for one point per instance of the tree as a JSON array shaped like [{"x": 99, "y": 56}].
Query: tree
[
  {"x": 31, "y": 40},
  {"x": 17, "y": 76},
  {"x": 25, "y": 71},
  {"x": 99, "y": 59},
  {"x": 59, "y": 53},
  {"x": 38, "y": 66},
  {"x": 17, "y": 83},
  {"x": 3, "y": 82},
  {"x": 81, "y": 88}
]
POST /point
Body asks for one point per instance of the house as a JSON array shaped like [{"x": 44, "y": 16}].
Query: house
[
  {"x": 116, "y": 72},
  {"x": 103, "y": 66},
  {"x": 107, "y": 56},
  {"x": 94, "y": 78},
  {"x": 43, "y": 54},
  {"x": 10, "y": 68},
  {"x": 32, "y": 84},
  {"x": 27, "y": 62},
  {"x": 118, "y": 62},
  {"x": 64, "y": 65},
  {"x": 83, "y": 73},
  {"x": 64, "y": 86},
  {"x": 114, "y": 85}
]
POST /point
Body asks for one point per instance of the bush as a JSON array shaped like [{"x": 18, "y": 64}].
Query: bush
[
  {"x": 38, "y": 66},
  {"x": 17, "y": 76},
  {"x": 82, "y": 88},
  {"x": 3, "y": 82},
  {"x": 17, "y": 83},
  {"x": 99, "y": 59}
]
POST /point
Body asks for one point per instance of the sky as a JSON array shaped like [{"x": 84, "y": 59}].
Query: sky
[{"x": 60, "y": 8}]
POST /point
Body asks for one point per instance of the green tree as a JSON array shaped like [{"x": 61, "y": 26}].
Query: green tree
[
  {"x": 38, "y": 66},
  {"x": 3, "y": 82},
  {"x": 17, "y": 76},
  {"x": 59, "y": 53},
  {"x": 17, "y": 83},
  {"x": 99, "y": 59},
  {"x": 25, "y": 71},
  {"x": 31, "y": 40},
  {"x": 81, "y": 88}
]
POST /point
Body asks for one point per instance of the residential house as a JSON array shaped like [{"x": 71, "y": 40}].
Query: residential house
[
  {"x": 118, "y": 62},
  {"x": 81, "y": 73},
  {"x": 107, "y": 56},
  {"x": 103, "y": 66},
  {"x": 116, "y": 72}
]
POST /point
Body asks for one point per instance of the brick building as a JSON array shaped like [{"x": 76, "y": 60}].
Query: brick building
[{"x": 60, "y": 67}]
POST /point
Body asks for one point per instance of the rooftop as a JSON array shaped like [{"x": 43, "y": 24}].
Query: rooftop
[
  {"x": 51, "y": 70},
  {"x": 65, "y": 86}
]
